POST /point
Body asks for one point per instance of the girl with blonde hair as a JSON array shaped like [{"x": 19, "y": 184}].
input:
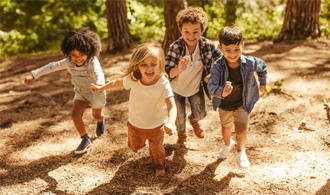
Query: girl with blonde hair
[{"x": 150, "y": 90}]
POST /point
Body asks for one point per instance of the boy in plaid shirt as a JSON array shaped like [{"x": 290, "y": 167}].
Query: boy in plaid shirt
[{"x": 188, "y": 64}]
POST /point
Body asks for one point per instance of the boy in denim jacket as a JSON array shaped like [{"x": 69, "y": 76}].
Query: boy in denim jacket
[
  {"x": 187, "y": 64},
  {"x": 235, "y": 90}
]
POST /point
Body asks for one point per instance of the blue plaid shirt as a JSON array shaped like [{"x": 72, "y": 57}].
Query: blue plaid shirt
[{"x": 209, "y": 52}]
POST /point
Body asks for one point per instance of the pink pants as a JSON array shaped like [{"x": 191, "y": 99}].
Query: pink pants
[{"x": 137, "y": 138}]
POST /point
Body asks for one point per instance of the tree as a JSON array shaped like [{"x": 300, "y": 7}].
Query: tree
[
  {"x": 301, "y": 20},
  {"x": 172, "y": 33},
  {"x": 231, "y": 11},
  {"x": 119, "y": 37}
]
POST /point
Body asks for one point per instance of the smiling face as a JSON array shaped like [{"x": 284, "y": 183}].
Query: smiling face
[
  {"x": 191, "y": 34},
  {"x": 232, "y": 53},
  {"x": 77, "y": 57},
  {"x": 150, "y": 70}
]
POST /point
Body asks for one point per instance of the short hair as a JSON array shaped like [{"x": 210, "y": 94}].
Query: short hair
[
  {"x": 140, "y": 53},
  {"x": 230, "y": 35},
  {"x": 194, "y": 15},
  {"x": 83, "y": 40}
]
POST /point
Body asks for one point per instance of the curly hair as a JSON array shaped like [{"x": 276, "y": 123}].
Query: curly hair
[
  {"x": 194, "y": 15},
  {"x": 83, "y": 40}
]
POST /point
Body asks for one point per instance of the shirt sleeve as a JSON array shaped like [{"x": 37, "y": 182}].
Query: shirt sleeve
[
  {"x": 261, "y": 70},
  {"x": 97, "y": 70},
  {"x": 51, "y": 67},
  {"x": 172, "y": 58}
]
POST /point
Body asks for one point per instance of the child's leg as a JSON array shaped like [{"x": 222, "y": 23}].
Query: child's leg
[
  {"x": 136, "y": 137},
  {"x": 241, "y": 135},
  {"x": 78, "y": 110},
  {"x": 156, "y": 149},
  {"x": 241, "y": 121},
  {"x": 180, "y": 121},
  {"x": 97, "y": 114},
  {"x": 198, "y": 111},
  {"x": 227, "y": 121},
  {"x": 241, "y": 118}
]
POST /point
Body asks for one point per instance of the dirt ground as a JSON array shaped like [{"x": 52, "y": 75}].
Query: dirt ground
[{"x": 288, "y": 137}]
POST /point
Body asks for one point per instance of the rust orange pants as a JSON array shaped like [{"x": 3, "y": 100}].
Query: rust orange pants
[{"x": 137, "y": 139}]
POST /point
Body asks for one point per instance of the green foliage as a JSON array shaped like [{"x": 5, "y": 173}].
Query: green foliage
[
  {"x": 31, "y": 26},
  {"x": 145, "y": 21},
  {"x": 260, "y": 20},
  {"x": 40, "y": 25},
  {"x": 325, "y": 18},
  {"x": 216, "y": 16}
]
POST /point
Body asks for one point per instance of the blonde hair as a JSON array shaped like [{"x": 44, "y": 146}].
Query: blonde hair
[{"x": 140, "y": 53}]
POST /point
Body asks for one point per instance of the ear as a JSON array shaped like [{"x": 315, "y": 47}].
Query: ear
[{"x": 219, "y": 46}]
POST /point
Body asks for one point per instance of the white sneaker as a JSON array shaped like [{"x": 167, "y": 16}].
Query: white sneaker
[
  {"x": 225, "y": 150},
  {"x": 242, "y": 159}
]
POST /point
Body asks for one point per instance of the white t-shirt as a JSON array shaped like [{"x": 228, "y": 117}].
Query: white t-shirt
[
  {"x": 146, "y": 107},
  {"x": 187, "y": 83}
]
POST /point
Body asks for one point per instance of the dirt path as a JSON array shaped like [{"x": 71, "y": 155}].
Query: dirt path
[{"x": 288, "y": 139}]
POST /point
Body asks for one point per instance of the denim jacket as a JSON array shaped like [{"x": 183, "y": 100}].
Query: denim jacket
[
  {"x": 249, "y": 65},
  {"x": 208, "y": 52}
]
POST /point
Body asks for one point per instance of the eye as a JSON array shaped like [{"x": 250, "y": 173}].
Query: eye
[
  {"x": 143, "y": 65},
  {"x": 154, "y": 65}
]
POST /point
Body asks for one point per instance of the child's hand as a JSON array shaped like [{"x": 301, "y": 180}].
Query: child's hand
[
  {"x": 29, "y": 80},
  {"x": 169, "y": 128},
  {"x": 183, "y": 64},
  {"x": 96, "y": 87},
  {"x": 263, "y": 89},
  {"x": 207, "y": 78},
  {"x": 227, "y": 89}
]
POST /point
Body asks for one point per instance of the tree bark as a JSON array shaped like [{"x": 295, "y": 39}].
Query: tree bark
[
  {"x": 172, "y": 33},
  {"x": 119, "y": 37},
  {"x": 231, "y": 11},
  {"x": 301, "y": 20}
]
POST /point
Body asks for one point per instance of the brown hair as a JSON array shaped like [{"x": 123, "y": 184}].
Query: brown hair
[
  {"x": 230, "y": 35},
  {"x": 194, "y": 15}
]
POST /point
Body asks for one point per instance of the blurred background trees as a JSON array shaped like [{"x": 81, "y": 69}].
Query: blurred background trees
[{"x": 39, "y": 26}]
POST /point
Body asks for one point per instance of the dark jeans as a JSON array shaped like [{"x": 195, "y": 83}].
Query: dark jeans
[{"x": 197, "y": 107}]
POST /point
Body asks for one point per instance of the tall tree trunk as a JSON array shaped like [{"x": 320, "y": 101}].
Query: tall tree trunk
[
  {"x": 301, "y": 20},
  {"x": 119, "y": 37},
  {"x": 172, "y": 33},
  {"x": 231, "y": 11}
]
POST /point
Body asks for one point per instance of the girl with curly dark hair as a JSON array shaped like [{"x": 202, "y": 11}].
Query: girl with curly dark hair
[{"x": 82, "y": 47}]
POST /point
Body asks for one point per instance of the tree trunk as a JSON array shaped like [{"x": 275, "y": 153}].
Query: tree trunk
[
  {"x": 301, "y": 20},
  {"x": 119, "y": 37},
  {"x": 172, "y": 33},
  {"x": 231, "y": 11}
]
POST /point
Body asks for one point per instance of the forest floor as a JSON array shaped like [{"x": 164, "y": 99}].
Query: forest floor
[{"x": 288, "y": 137}]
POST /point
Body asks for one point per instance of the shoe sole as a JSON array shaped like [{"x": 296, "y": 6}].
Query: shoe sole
[{"x": 82, "y": 151}]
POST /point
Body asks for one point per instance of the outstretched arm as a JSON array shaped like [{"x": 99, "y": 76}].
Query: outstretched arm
[
  {"x": 171, "y": 109},
  {"x": 117, "y": 83}
]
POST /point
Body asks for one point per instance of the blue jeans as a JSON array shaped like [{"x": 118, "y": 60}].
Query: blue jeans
[{"x": 197, "y": 107}]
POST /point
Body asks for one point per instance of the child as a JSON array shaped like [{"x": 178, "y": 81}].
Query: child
[
  {"x": 149, "y": 91},
  {"x": 187, "y": 63},
  {"x": 81, "y": 47},
  {"x": 235, "y": 90}
]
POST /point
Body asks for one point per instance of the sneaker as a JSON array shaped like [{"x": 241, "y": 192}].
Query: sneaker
[
  {"x": 225, "y": 150},
  {"x": 100, "y": 128},
  {"x": 242, "y": 159},
  {"x": 85, "y": 143}
]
